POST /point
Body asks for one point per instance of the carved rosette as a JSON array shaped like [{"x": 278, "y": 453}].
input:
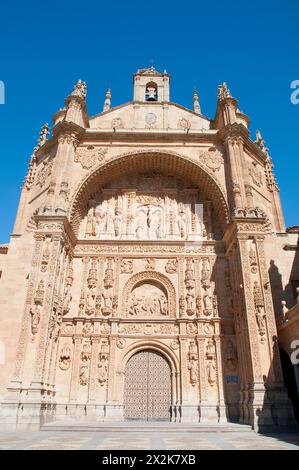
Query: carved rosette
[{"x": 212, "y": 159}]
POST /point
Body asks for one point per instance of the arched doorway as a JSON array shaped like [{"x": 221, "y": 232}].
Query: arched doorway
[{"x": 147, "y": 392}]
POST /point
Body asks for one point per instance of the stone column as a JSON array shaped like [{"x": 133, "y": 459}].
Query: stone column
[
  {"x": 95, "y": 341},
  {"x": 75, "y": 369}
]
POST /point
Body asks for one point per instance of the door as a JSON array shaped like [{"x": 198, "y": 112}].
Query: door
[{"x": 147, "y": 393}]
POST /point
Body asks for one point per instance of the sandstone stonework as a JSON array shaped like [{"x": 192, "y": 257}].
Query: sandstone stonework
[{"x": 137, "y": 282}]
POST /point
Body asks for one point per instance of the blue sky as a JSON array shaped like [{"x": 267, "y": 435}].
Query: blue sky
[{"x": 253, "y": 46}]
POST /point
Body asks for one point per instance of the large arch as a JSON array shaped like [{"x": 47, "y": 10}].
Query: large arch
[
  {"x": 166, "y": 162},
  {"x": 163, "y": 349}
]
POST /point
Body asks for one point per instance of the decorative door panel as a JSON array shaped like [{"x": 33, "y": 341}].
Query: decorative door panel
[{"x": 147, "y": 387}]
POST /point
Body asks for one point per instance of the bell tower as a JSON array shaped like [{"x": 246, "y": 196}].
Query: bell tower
[{"x": 151, "y": 85}]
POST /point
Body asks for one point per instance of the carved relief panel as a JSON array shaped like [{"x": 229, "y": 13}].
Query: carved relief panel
[{"x": 158, "y": 208}]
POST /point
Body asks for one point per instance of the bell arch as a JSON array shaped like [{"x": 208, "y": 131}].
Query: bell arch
[
  {"x": 167, "y": 162},
  {"x": 151, "y": 277}
]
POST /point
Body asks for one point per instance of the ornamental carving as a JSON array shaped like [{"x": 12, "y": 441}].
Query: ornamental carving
[
  {"x": 184, "y": 124},
  {"x": 212, "y": 158},
  {"x": 253, "y": 260},
  {"x": 90, "y": 156},
  {"x": 44, "y": 170},
  {"x": 148, "y": 301},
  {"x": 260, "y": 313},
  {"x": 171, "y": 266},
  {"x": 121, "y": 343},
  {"x": 158, "y": 301},
  {"x": 65, "y": 358},
  {"x": 148, "y": 329},
  {"x": 256, "y": 176},
  {"x": 191, "y": 328},
  {"x": 126, "y": 266},
  {"x": 117, "y": 123}
]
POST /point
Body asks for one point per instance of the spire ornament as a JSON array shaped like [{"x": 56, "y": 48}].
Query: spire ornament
[
  {"x": 223, "y": 92},
  {"x": 79, "y": 89},
  {"x": 107, "y": 102},
  {"x": 196, "y": 105},
  {"x": 261, "y": 143}
]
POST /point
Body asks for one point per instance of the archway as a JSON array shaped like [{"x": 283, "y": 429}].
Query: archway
[
  {"x": 147, "y": 387},
  {"x": 144, "y": 161}
]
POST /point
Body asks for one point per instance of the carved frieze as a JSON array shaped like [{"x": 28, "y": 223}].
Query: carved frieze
[{"x": 148, "y": 329}]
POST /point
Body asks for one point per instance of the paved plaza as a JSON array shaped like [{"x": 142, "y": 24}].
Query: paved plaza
[{"x": 56, "y": 440}]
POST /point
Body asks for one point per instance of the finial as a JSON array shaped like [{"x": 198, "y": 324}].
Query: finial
[
  {"x": 42, "y": 136},
  {"x": 79, "y": 89},
  {"x": 261, "y": 143},
  {"x": 107, "y": 102},
  {"x": 223, "y": 92},
  {"x": 196, "y": 105},
  {"x": 284, "y": 310}
]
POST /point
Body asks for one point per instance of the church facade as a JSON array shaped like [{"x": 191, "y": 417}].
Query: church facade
[{"x": 138, "y": 281}]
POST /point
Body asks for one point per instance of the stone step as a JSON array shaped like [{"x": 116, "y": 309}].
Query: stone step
[{"x": 126, "y": 426}]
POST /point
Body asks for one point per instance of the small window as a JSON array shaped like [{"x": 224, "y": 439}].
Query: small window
[{"x": 151, "y": 92}]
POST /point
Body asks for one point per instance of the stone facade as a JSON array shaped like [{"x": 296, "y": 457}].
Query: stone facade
[{"x": 136, "y": 283}]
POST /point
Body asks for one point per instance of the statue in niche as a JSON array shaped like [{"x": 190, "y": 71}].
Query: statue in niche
[
  {"x": 67, "y": 299},
  {"x": 210, "y": 351},
  {"x": 63, "y": 198},
  {"x": 117, "y": 221},
  {"x": 102, "y": 370},
  {"x": 84, "y": 371},
  {"x": 101, "y": 222},
  {"x": 35, "y": 313},
  {"x": 253, "y": 260},
  {"x": 91, "y": 296},
  {"x": 211, "y": 371},
  {"x": 208, "y": 305},
  {"x": 211, "y": 362},
  {"x": 91, "y": 223},
  {"x": 205, "y": 273},
  {"x": 198, "y": 305},
  {"x": 107, "y": 297},
  {"x": 190, "y": 303},
  {"x": 259, "y": 308},
  {"x": 181, "y": 306},
  {"x": 182, "y": 220},
  {"x": 215, "y": 305},
  {"x": 193, "y": 369},
  {"x": 84, "y": 367}
]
